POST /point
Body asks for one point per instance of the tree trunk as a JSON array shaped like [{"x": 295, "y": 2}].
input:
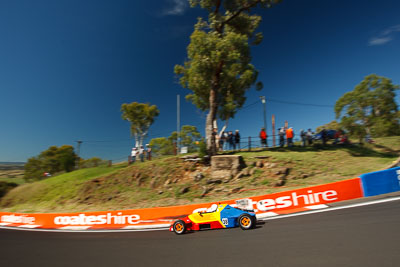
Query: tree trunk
[{"x": 211, "y": 116}]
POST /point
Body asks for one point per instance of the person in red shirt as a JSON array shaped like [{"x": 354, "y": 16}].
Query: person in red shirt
[
  {"x": 263, "y": 137},
  {"x": 289, "y": 136}
]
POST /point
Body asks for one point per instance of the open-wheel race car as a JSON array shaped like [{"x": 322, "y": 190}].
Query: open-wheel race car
[{"x": 216, "y": 217}]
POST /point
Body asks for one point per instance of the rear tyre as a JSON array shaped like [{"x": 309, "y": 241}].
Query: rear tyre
[
  {"x": 246, "y": 221},
  {"x": 179, "y": 227}
]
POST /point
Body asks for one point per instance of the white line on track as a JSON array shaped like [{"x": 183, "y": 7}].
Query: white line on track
[
  {"x": 160, "y": 229},
  {"x": 333, "y": 208}
]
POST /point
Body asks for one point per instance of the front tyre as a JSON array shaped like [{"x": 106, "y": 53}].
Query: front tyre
[
  {"x": 246, "y": 221},
  {"x": 179, "y": 227}
]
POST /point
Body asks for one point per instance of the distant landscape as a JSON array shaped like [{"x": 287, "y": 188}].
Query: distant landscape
[{"x": 12, "y": 172}]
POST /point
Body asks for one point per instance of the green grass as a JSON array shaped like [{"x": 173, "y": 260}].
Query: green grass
[
  {"x": 48, "y": 193},
  {"x": 159, "y": 182}
]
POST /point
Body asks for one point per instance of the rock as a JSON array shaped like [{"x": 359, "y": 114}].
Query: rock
[
  {"x": 246, "y": 172},
  {"x": 236, "y": 190},
  {"x": 280, "y": 183},
  {"x": 194, "y": 156},
  {"x": 303, "y": 176},
  {"x": 261, "y": 157},
  {"x": 235, "y": 172},
  {"x": 198, "y": 176},
  {"x": 140, "y": 181},
  {"x": 252, "y": 171},
  {"x": 284, "y": 171},
  {"x": 259, "y": 164},
  {"x": 283, "y": 177},
  {"x": 184, "y": 190},
  {"x": 214, "y": 181},
  {"x": 175, "y": 180},
  {"x": 160, "y": 192},
  {"x": 153, "y": 183},
  {"x": 270, "y": 165},
  {"x": 226, "y": 165},
  {"x": 239, "y": 175},
  {"x": 206, "y": 190}
]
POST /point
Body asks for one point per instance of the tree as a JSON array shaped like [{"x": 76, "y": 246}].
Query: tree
[
  {"x": 189, "y": 136},
  {"x": 370, "y": 108},
  {"x": 141, "y": 116},
  {"x": 218, "y": 70},
  {"x": 162, "y": 145},
  {"x": 333, "y": 125},
  {"x": 53, "y": 160}
]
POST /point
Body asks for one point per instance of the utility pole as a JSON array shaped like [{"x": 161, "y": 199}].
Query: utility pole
[
  {"x": 178, "y": 122},
  {"x": 273, "y": 131},
  {"x": 78, "y": 151},
  {"x": 265, "y": 120}
]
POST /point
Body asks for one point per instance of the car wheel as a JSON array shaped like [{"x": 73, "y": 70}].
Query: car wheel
[
  {"x": 179, "y": 227},
  {"x": 246, "y": 221}
]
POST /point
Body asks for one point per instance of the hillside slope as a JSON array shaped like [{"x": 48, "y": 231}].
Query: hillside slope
[{"x": 171, "y": 181}]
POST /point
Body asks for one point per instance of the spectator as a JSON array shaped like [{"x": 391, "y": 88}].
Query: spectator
[
  {"x": 281, "y": 136},
  {"x": 221, "y": 141},
  {"x": 231, "y": 141},
  {"x": 226, "y": 144},
  {"x": 289, "y": 137},
  {"x": 263, "y": 137},
  {"x": 344, "y": 140},
  {"x": 309, "y": 137},
  {"x": 141, "y": 153},
  {"x": 337, "y": 136},
  {"x": 324, "y": 137},
  {"x": 215, "y": 137},
  {"x": 148, "y": 152},
  {"x": 134, "y": 152},
  {"x": 368, "y": 139},
  {"x": 303, "y": 137},
  {"x": 237, "y": 139}
]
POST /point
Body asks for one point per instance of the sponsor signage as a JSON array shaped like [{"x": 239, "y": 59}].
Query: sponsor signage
[
  {"x": 381, "y": 182},
  {"x": 279, "y": 203}
]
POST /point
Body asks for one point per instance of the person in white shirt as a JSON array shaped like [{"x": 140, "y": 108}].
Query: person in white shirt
[{"x": 134, "y": 152}]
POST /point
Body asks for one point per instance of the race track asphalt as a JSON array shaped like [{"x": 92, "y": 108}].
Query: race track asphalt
[{"x": 362, "y": 236}]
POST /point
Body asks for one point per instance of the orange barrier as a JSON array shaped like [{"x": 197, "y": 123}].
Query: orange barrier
[{"x": 265, "y": 205}]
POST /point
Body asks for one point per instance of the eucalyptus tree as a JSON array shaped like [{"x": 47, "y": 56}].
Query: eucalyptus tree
[
  {"x": 218, "y": 68},
  {"x": 370, "y": 108},
  {"x": 141, "y": 117}
]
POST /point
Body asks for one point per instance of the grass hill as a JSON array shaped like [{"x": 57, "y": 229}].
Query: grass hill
[{"x": 172, "y": 181}]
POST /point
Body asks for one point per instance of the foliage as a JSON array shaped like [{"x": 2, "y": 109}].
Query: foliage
[
  {"x": 141, "y": 116},
  {"x": 53, "y": 160},
  {"x": 333, "y": 125},
  {"x": 90, "y": 163},
  {"x": 370, "y": 108},
  {"x": 162, "y": 146},
  {"x": 189, "y": 137},
  {"x": 219, "y": 70},
  {"x": 5, "y": 187}
]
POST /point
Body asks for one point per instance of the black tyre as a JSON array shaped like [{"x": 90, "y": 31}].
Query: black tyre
[
  {"x": 246, "y": 221},
  {"x": 179, "y": 227}
]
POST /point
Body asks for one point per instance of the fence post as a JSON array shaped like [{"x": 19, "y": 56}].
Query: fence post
[
  {"x": 109, "y": 163},
  {"x": 249, "y": 143}
]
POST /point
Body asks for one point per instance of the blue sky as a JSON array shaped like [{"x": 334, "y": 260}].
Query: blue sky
[{"x": 66, "y": 67}]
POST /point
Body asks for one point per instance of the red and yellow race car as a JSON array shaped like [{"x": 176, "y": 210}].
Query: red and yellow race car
[{"x": 216, "y": 217}]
